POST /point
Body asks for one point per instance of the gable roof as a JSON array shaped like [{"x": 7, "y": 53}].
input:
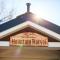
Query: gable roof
[
  {"x": 33, "y": 25},
  {"x": 29, "y": 17}
]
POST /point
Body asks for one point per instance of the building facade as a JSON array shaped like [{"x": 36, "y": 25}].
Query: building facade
[{"x": 38, "y": 37}]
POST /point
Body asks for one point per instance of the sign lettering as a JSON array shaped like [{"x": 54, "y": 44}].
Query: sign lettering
[{"x": 29, "y": 39}]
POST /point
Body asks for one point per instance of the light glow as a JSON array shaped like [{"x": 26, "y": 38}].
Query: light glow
[
  {"x": 37, "y": 18},
  {"x": 17, "y": 52},
  {"x": 38, "y": 15}
]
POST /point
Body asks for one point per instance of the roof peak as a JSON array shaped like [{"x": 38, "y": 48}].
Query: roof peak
[{"x": 28, "y": 7}]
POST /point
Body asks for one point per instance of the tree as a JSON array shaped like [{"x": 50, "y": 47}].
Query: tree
[{"x": 4, "y": 18}]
